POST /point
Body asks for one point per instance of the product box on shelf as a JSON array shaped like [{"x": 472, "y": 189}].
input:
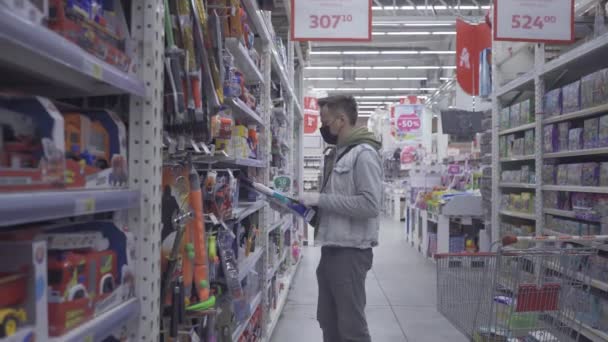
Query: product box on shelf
[
  {"x": 594, "y": 89},
  {"x": 563, "y": 130},
  {"x": 31, "y": 144},
  {"x": 35, "y": 11},
  {"x": 220, "y": 188},
  {"x": 603, "y": 131},
  {"x": 575, "y": 174},
  {"x": 96, "y": 150},
  {"x": 550, "y": 199},
  {"x": 591, "y": 133},
  {"x": 603, "y": 174},
  {"x": 505, "y": 118},
  {"x": 526, "y": 112},
  {"x": 529, "y": 142},
  {"x": 571, "y": 97},
  {"x": 515, "y": 116},
  {"x": 590, "y": 174},
  {"x": 553, "y": 103},
  {"x": 23, "y": 296},
  {"x": 90, "y": 268},
  {"x": 550, "y": 138},
  {"x": 562, "y": 174},
  {"x": 101, "y": 30},
  {"x": 575, "y": 139},
  {"x": 549, "y": 174}
]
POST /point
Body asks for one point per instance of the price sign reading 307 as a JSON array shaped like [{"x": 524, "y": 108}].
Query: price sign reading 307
[
  {"x": 328, "y": 21},
  {"x": 528, "y": 22}
]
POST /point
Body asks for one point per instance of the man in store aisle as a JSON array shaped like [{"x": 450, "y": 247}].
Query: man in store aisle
[{"x": 347, "y": 221}]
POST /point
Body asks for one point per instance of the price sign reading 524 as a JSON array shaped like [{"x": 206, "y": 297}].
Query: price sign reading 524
[
  {"x": 331, "y": 20},
  {"x": 542, "y": 21}
]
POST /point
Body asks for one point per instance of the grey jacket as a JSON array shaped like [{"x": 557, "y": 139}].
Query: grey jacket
[{"x": 349, "y": 206}]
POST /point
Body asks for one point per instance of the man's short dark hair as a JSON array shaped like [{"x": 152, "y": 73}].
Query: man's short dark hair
[{"x": 341, "y": 103}]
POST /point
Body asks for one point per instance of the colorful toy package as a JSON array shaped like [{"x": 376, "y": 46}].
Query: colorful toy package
[
  {"x": 562, "y": 174},
  {"x": 526, "y": 112},
  {"x": 587, "y": 84},
  {"x": 575, "y": 139},
  {"x": 603, "y": 174},
  {"x": 550, "y": 199},
  {"x": 515, "y": 115},
  {"x": 591, "y": 133},
  {"x": 553, "y": 102},
  {"x": 603, "y": 131},
  {"x": 549, "y": 174},
  {"x": 575, "y": 174},
  {"x": 563, "y": 130},
  {"x": 529, "y": 142},
  {"x": 505, "y": 119},
  {"x": 550, "y": 138},
  {"x": 571, "y": 97},
  {"x": 590, "y": 174}
]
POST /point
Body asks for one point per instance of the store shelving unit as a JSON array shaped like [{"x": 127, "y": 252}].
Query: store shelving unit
[
  {"x": 549, "y": 70},
  {"x": 238, "y": 331}
]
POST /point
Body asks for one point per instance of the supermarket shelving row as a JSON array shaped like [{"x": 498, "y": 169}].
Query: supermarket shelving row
[
  {"x": 276, "y": 314},
  {"x": 238, "y": 331}
]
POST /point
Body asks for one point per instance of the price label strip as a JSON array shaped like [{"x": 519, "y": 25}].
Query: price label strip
[{"x": 536, "y": 21}]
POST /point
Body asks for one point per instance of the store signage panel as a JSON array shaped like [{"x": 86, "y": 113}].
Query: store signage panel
[
  {"x": 408, "y": 121},
  {"x": 331, "y": 20},
  {"x": 543, "y": 21},
  {"x": 311, "y": 115}
]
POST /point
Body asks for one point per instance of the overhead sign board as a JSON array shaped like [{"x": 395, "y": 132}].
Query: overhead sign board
[
  {"x": 535, "y": 21},
  {"x": 331, "y": 20}
]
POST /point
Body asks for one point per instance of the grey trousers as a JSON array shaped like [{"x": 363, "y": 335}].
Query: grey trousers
[{"x": 341, "y": 308}]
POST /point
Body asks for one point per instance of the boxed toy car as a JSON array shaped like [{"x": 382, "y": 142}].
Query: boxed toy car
[
  {"x": 553, "y": 102},
  {"x": 571, "y": 97},
  {"x": 23, "y": 297},
  {"x": 97, "y": 27},
  {"x": 31, "y": 144},
  {"x": 90, "y": 268},
  {"x": 96, "y": 151}
]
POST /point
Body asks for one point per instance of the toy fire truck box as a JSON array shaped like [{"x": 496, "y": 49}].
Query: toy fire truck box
[
  {"x": 23, "y": 297},
  {"x": 97, "y": 26},
  {"x": 96, "y": 150},
  {"x": 90, "y": 270},
  {"x": 31, "y": 144},
  {"x": 35, "y": 11}
]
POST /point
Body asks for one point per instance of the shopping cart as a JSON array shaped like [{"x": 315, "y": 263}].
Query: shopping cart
[{"x": 531, "y": 294}]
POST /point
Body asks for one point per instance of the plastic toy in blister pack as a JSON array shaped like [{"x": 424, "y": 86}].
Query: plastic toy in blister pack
[
  {"x": 218, "y": 193},
  {"x": 231, "y": 272}
]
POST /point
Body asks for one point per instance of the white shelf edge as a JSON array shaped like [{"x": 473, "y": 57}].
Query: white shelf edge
[
  {"x": 517, "y": 185},
  {"x": 278, "y": 224},
  {"x": 593, "y": 334},
  {"x": 515, "y": 83},
  {"x": 525, "y": 216},
  {"x": 576, "y": 115},
  {"x": 576, "y": 188},
  {"x": 61, "y": 61},
  {"x": 574, "y": 54},
  {"x": 518, "y": 158},
  {"x": 564, "y": 213},
  {"x": 244, "y": 62},
  {"x": 252, "y": 307},
  {"x": 249, "y": 263},
  {"x": 249, "y": 114},
  {"x": 576, "y": 153},
  {"x": 274, "y": 317},
  {"x": 103, "y": 325},
  {"x": 598, "y": 284},
  {"x": 525, "y": 127},
  {"x": 249, "y": 209}
]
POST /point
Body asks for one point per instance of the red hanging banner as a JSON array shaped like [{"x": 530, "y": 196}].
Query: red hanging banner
[
  {"x": 471, "y": 40},
  {"x": 311, "y": 115}
]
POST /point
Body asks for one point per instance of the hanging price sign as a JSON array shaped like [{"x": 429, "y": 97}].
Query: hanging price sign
[
  {"x": 535, "y": 21},
  {"x": 331, "y": 20}
]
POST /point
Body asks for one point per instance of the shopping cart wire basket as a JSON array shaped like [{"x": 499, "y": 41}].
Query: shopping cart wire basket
[{"x": 518, "y": 294}]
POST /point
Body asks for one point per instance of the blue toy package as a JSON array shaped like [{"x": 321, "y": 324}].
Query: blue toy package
[
  {"x": 563, "y": 130},
  {"x": 571, "y": 97},
  {"x": 603, "y": 131},
  {"x": 553, "y": 103},
  {"x": 591, "y": 133},
  {"x": 550, "y": 138},
  {"x": 575, "y": 139}
]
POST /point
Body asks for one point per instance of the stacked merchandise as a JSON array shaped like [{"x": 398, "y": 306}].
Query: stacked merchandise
[
  {"x": 519, "y": 114},
  {"x": 485, "y": 146}
]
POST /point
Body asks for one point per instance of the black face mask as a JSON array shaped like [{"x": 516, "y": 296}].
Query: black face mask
[{"x": 327, "y": 136}]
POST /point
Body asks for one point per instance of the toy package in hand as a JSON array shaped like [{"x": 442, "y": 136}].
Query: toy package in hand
[
  {"x": 591, "y": 133},
  {"x": 571, "y": 97},
  {"x": 280, "y": 199},
  {"x": 553, "y": 102}
]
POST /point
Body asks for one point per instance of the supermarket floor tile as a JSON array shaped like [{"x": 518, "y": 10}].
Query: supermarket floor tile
[{"x": 400, "y": 291}]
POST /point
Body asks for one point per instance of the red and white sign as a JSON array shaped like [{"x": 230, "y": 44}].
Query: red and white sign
[
  {"x": 311, "y": 115},
  {"x": 542, "y": 21},
  {"x": 408, "y": 123},
  {"x": 471, "y": 40},
  {"x": 406, "y": 118},
  {"x": 331, "y": 20}
]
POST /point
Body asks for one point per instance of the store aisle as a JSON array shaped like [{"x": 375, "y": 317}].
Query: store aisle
[{"x": 400, "y": 295}]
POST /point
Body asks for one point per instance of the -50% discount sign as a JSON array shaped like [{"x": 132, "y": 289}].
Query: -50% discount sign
[
  {"x": 331, "y": 20},
  {"x": 543, "y": 21},
  {"x": 408, "y": 123}
]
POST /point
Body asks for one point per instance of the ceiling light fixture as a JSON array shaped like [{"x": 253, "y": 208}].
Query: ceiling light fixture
[
  {"x": 389, "y": 68},
  {"x": 399, "y": 52},
  {"x": 404, "y": 89},
  {"x": 323, "y": 79},
  {"x": 446, "y": 78},
  {"x": 427, "y": 24},
  {"x": 424, "y": 67},
  {"x": 437, "y": 33},
  {"x": 325, "y": 52},
  {"x": 435, "y": 52},
  {"x": 321, "y": 67},
  {"x": 360, "y": 52},
  {"x": 386, "y": 52},
  {"x": 355, "y": 67},
  {"x": 406, "y": 33}
]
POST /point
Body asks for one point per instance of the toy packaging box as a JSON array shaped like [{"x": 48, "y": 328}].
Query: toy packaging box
[
  {"x": 590, "y": 174},
  {"x": 563, "y": 130},
  {"x": 90, "y": 268},
  {"x": 96, "y": 150},
  {"x": 603, "y": 174},
  {"x": 549, "y": 174},
  {"x": 575, "y": 139},
  {"x": 97, "y": 27},
  {"x": 575, "y": 174},
  {"x": 594, "y": 89},
  {"x": 31, "y": 144},
  {"x": 553, "y": 103},
  {"x": 562, "y": 174},
  {"x": 526, "y": 112},
  {"x": 603, "y": 131},
  {"x": 515, "y": 115},
  {"x": 571, "y": 97},
  {"x": 505, "y": 119},
  {"x": 591, "y": 133},
  {"x": 23, "y": 295},
  {"x": 550, "y": 138},
  {"x": 529, "y": 142}
]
